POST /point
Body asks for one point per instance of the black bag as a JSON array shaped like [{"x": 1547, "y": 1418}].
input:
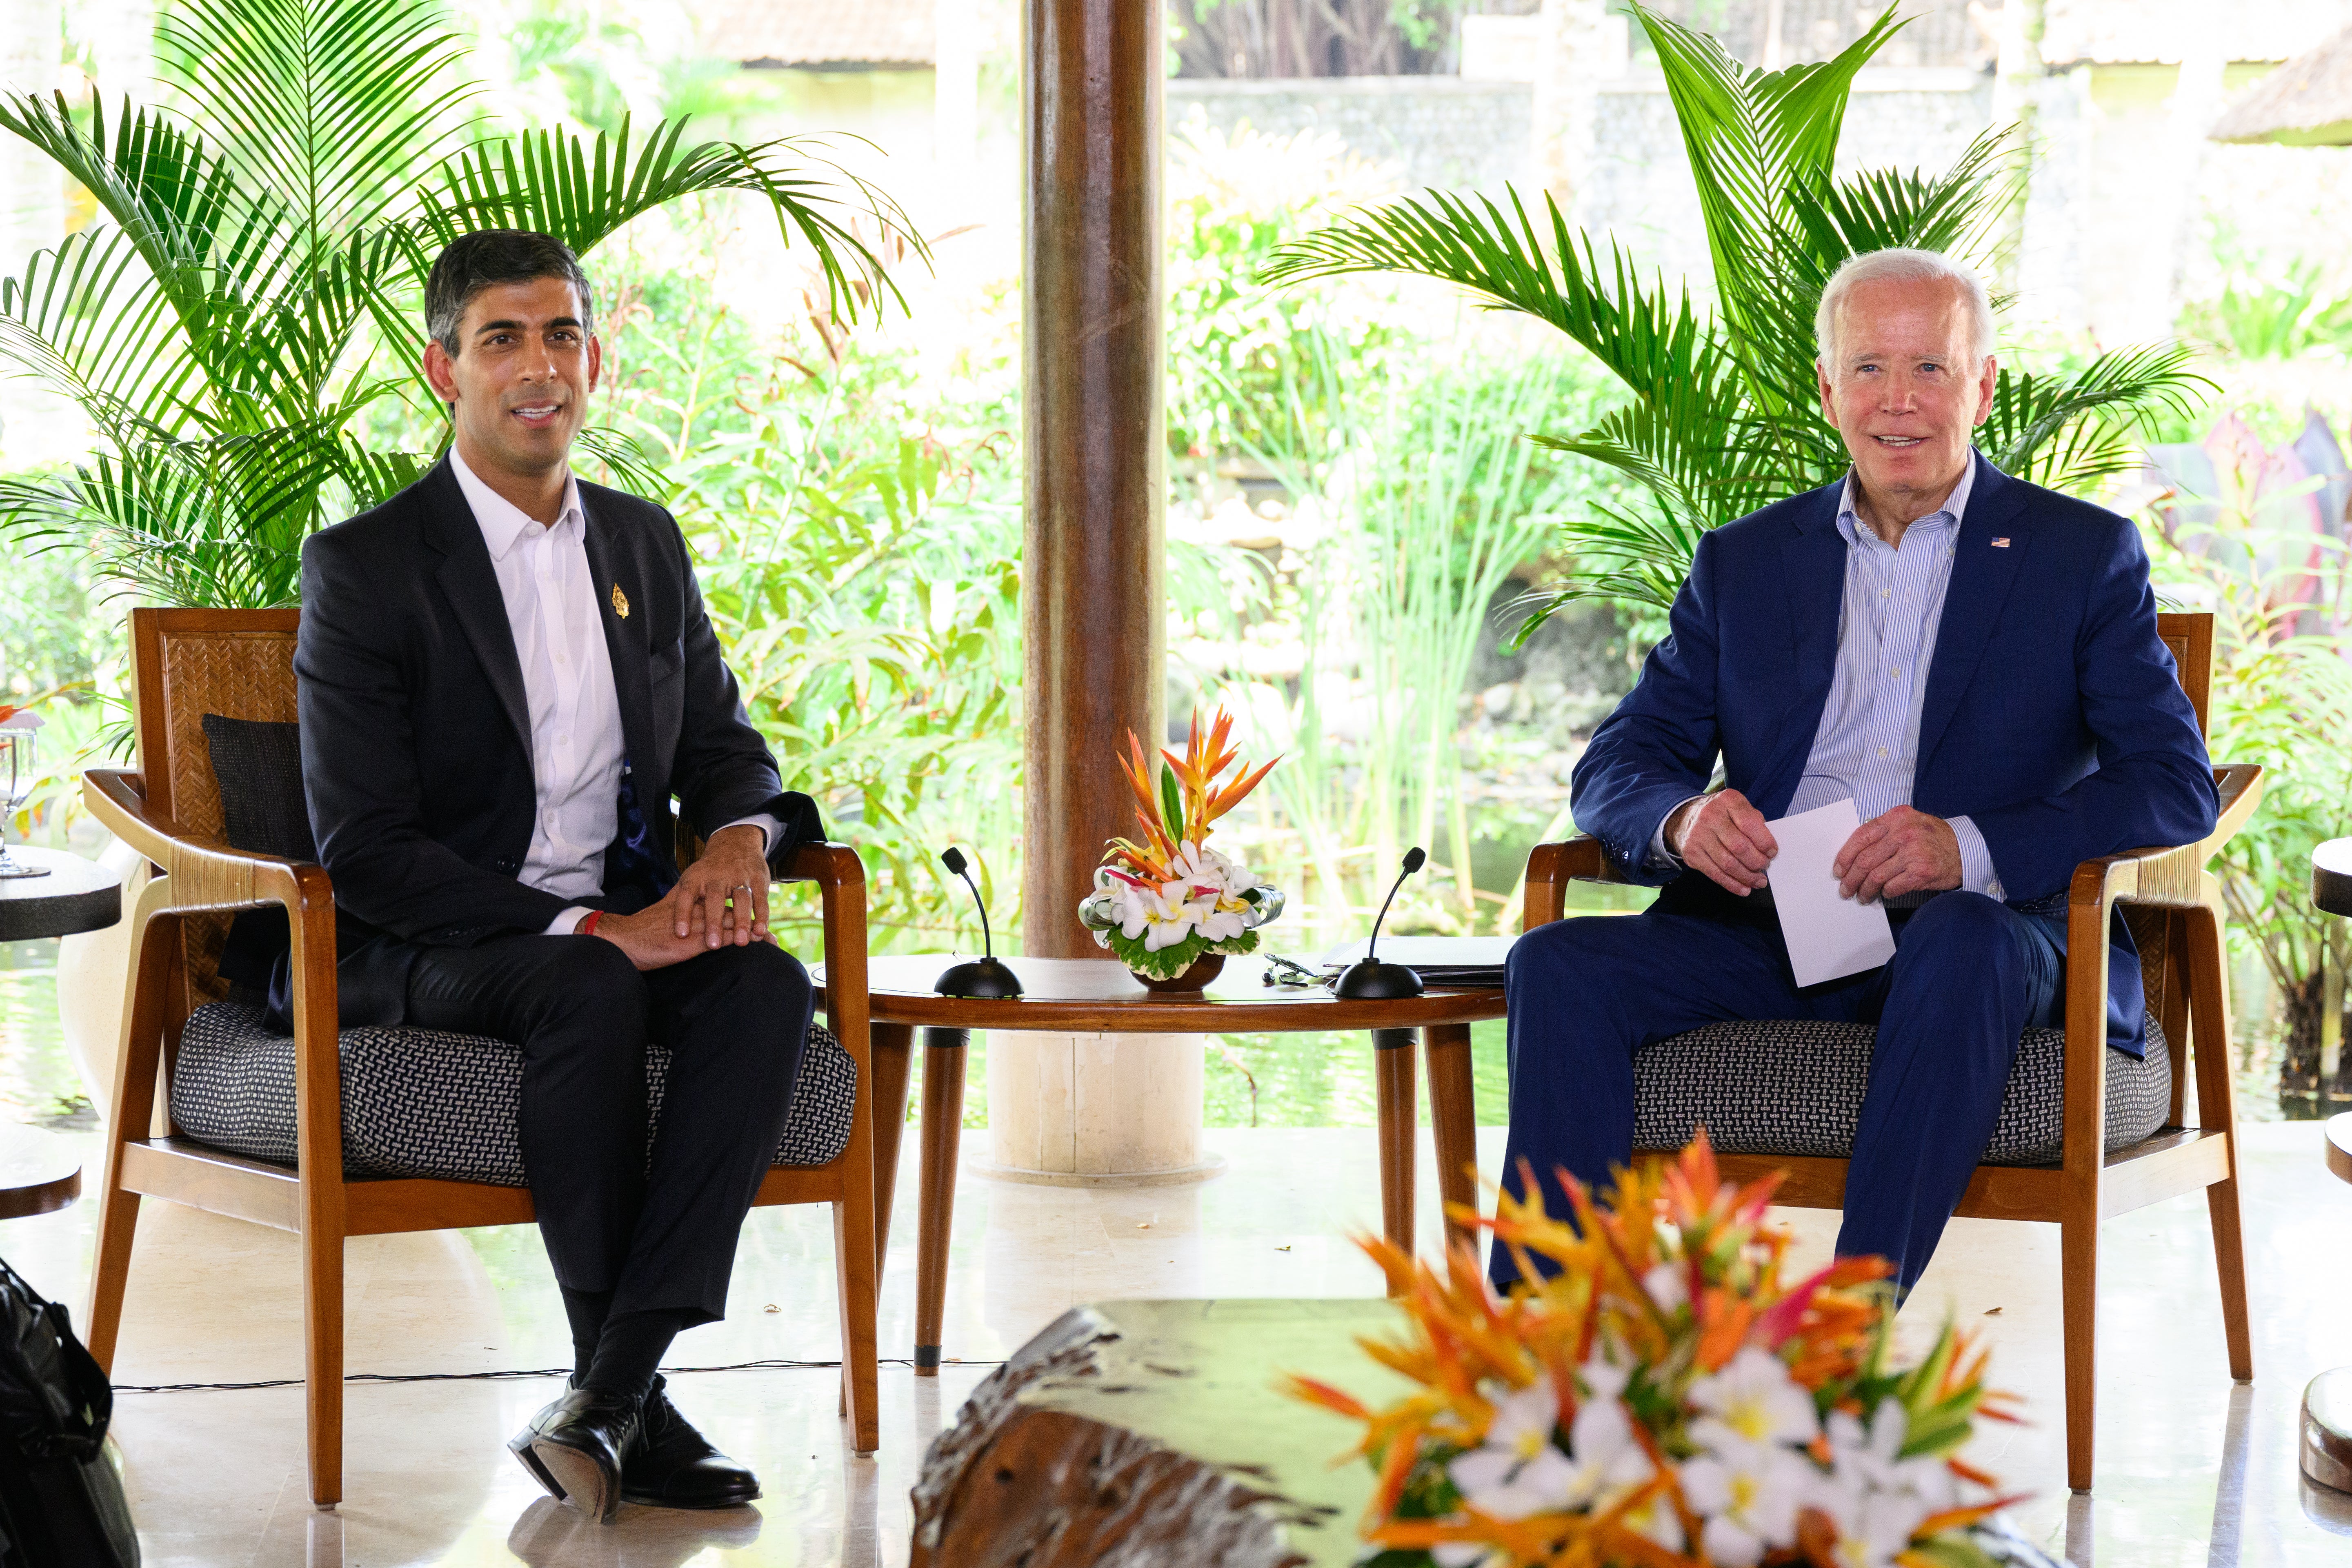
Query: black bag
[{"x": 60, "y": 1493}]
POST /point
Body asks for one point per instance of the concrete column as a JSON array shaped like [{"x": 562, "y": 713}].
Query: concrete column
[{"x": 1078, "y": 1110}]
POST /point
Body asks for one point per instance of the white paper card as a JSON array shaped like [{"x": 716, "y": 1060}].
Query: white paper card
[{"x": 1829, "y": 935}]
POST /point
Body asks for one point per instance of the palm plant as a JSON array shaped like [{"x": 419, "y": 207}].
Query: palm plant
[
  {"x": 1725, "y": 415},
  {"x": 250, "y": 290}
]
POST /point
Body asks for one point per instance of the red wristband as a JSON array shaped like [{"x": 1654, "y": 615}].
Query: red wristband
[{"x": 587, "y": 926}]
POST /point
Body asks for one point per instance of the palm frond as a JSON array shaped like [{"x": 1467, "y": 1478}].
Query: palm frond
[
  {"x": 1647, "y": 339},
  {"x": 334, "y": 106},
  {"x": 560, "y": 184},
  {"x": 2095, "y": 410},
  {"x": 88, "y": 322}
]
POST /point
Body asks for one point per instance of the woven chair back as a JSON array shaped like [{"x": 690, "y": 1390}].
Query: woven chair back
[{"x": 185, "y": 664}]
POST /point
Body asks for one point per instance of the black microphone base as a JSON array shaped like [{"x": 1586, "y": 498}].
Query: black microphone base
[
  {"x": 1367, "y": 979},
  {"x": 981, "y": 977}
]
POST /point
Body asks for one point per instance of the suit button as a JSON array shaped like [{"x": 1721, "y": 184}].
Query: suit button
[{"x": 507, "y": 863}]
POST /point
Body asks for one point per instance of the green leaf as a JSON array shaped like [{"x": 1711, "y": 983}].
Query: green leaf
[{"x": 1171, "y": 804}]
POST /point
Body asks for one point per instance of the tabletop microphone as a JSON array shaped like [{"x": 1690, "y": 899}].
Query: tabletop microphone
[
  {"x": 1370, "y": 980},
  {"x": 985, "y": 977}
]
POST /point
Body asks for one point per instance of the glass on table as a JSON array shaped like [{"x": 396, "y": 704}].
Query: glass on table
[{"x": 19, "y": 765}]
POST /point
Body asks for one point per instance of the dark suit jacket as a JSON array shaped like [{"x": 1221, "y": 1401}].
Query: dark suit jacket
[
  {"x": 2054, "y": 718},
  {"x": 415, "y": 734}
]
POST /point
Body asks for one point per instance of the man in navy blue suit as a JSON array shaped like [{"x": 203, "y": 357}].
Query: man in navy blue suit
[{"x": 1973, "y": 660}]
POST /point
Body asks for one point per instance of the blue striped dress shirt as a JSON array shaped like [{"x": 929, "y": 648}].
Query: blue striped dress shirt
[{"x": 1867, "y": 747}]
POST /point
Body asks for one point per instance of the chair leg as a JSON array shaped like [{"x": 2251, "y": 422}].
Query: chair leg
[
  {"x": 1392, "y": 1080},
  {"x": 136, "y": 1066},
  {"x": 2078, "y": 1249},
  {"x": 943, "y": 1062},
  {"x": 322, "y": 1327},
  {"x": 2209, "y": 1035},
  {"x": 854, "y": 1263},
  {"x": 1454, "y": 1121}
]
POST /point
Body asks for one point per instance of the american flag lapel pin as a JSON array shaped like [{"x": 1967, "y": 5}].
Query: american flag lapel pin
[{"x": 2001, "y": 544}]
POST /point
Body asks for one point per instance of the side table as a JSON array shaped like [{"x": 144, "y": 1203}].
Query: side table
[
  {"x": 1083, "y": 994},
  {"x": 76, "y": 896}
]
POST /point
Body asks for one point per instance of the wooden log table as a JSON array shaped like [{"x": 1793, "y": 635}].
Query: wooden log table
[
  {"x": 1081, "y": 995},
  {"x": 1134, "y": 1432}
]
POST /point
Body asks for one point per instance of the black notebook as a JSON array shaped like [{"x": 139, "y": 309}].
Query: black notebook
[{"x": 1465, "y": 963}]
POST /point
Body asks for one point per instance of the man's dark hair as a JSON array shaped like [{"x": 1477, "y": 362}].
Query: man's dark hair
[{"x": 488, "y": 258}]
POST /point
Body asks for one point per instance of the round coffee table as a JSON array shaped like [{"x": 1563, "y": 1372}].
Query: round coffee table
[
  {"x": 76, "y": 896},
  {"x": 1082, "y": 995}
]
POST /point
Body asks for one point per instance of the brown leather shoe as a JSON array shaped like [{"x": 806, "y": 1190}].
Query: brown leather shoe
[
  {"x": 674, "y": 1466},
  {"x": 577, "y": 1447}
]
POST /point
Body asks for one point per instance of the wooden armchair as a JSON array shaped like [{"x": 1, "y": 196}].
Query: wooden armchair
[
  {"x": 239, "y": 664},
  {"x": 2174, "y": 907}
]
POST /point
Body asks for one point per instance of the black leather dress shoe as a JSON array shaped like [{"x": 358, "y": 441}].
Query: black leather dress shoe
[
  {"x": 577, "y": 1447},
  {"x": 672, "y": 1465}
]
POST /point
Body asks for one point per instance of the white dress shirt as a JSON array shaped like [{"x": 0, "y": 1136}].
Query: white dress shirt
[
  {"x": 576, "y": 746},
  {"x": 1866, "y": 746}
]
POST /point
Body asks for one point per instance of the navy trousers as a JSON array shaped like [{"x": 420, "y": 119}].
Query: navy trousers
[{"x": 1968, "y": 976}]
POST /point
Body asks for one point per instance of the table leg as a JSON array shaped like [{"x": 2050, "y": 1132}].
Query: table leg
[
  {"x": 943, "y": 1061},
  {"x": 893, "y": 1048},
  {"x": 1453, "y": 1118},
  {"x": 1393, "y": 1077}
]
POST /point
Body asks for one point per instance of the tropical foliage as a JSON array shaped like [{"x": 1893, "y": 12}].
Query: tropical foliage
[
  {"x": 249, "y": 294},
  {"x": 1725, "y": 415},
  {"x": 1667, "y": 1398}
]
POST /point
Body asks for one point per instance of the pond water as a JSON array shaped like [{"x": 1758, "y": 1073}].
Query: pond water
[{"x": 37, "y": 1080}]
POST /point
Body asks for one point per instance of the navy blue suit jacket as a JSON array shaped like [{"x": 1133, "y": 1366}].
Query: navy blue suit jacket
[{"x": 2054, "y": 717}]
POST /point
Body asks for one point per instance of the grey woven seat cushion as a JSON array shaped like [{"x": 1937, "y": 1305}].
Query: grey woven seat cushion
[
  {"x": 417, "y": 1102},
  {"x": 1788, "y": 1087}
]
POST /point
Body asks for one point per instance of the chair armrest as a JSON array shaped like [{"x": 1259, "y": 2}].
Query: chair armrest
[
  {"x": 828, "y": 866},
  {"x": 1552, "y": 867},
  {"x": 202, "y": 875}
]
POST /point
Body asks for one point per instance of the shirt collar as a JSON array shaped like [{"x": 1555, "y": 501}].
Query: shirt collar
[
  {"x": 503, "y": 524},
  {"x": 1948, "y": 515}
]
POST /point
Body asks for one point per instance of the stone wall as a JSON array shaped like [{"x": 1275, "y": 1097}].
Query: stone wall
[
  {"x": 1454, "y": 135},
  {"x": 1436, "y": 130}
]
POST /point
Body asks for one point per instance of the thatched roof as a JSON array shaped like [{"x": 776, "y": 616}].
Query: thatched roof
[
  {"x": 2307, "y": 102},
  {"x": 843, "y": 34}
]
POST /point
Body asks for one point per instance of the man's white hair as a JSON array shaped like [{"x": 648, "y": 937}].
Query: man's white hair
[{"x": 1903, "y": 265}]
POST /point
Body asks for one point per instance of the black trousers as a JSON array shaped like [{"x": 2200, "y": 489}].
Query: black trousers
[{"x": 658, "y": 1232}]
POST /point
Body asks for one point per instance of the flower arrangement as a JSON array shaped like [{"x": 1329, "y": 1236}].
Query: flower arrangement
[
  {"x": 1163, "y": 904},
  {"x": 1665, "y": 1400}
]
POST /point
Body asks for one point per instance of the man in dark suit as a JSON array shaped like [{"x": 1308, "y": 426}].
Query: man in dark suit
[
  {"x": 505, "y": 674},
  {"x": 1972, "y": 661}
]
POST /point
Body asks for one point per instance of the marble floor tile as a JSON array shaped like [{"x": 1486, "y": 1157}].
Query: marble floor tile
[{"x": 2192, "y": 1468}]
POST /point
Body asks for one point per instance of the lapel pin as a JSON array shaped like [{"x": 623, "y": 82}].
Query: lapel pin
[
  {"x": 621, "y": 600},
  {"x": 2000, "y": 543}
]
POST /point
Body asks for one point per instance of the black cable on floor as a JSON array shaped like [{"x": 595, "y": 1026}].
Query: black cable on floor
[{"x": 508, "y": 1376}]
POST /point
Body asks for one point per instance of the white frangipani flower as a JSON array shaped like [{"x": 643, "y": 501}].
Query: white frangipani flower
[
  {"x": 1665, "y": 1283},
  {"x": 1877, "y": 1499},
  {"x": 1749, "y": 1494},
  {"x": 1752, "y": 1400},
  {"x": 1518, "y": 1469}
]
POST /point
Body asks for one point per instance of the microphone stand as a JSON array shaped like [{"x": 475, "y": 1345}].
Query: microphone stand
[
  {"x": 1370, "y": 980},
  {"x": 986, "y": 976}
]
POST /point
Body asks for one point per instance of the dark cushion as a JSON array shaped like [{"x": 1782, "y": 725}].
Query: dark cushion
[
  {"x": 259, "y": 763},
  {"x": 1795, "y": 1088},
  {"x": 418, "y": 1102}
]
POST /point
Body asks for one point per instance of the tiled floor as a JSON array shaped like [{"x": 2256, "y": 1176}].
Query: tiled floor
[{"x": 2192, "y": 1469}]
